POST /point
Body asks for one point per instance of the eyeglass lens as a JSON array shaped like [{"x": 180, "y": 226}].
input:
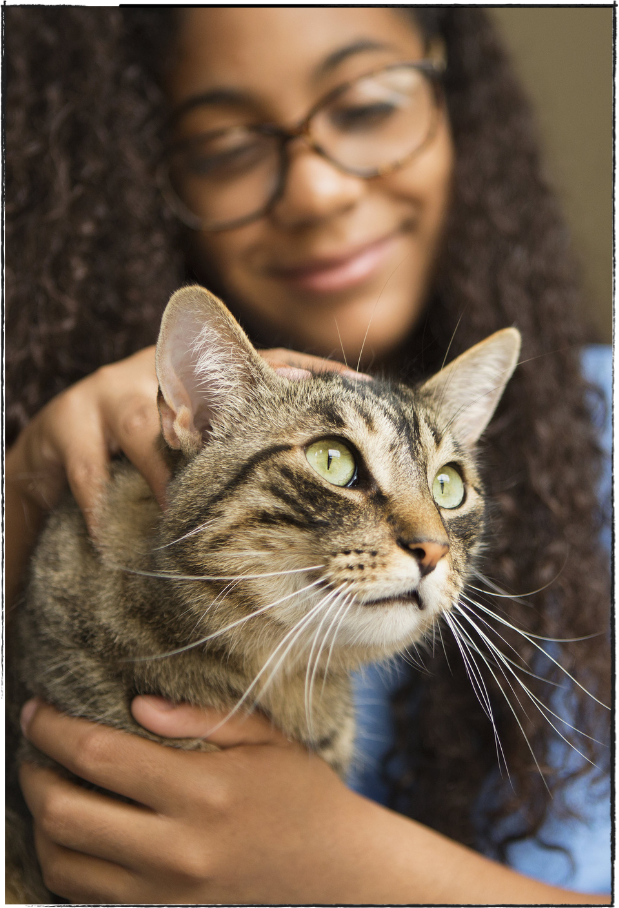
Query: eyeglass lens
[{"x": 230, "y": 174}]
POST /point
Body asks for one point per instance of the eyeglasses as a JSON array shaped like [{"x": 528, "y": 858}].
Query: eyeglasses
[{"x": 224, "y": 178}]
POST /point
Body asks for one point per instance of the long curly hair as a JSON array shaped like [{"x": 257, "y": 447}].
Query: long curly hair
[{"x": 92, "y": 254}]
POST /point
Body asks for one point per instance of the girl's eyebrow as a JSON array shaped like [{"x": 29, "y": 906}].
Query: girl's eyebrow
[
  {"x": 215, "y": 97},
  {"x": 359, "y": 46},
  {"x": 240, "y": 98}
]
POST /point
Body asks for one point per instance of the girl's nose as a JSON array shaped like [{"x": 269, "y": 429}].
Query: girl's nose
[{"x": 314, "y": 189}]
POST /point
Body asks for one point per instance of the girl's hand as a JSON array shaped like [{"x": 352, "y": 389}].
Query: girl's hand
[
  {"x": 74, "y": 436},
  {"x": 262, "y": 821},
  {"x": 72, "y": 439}
]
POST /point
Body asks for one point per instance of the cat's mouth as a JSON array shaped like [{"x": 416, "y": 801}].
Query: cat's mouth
[{"x": 411, "y": 598}]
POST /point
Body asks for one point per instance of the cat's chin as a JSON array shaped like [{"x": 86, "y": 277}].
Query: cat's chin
[{"x": 386, "y": 625}]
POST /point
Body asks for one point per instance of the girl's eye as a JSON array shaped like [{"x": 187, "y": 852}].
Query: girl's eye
[
  {"x": 368, "y": 116},
  {"x": 448, "y": 488},
  {"x": 333, "y": 460}
]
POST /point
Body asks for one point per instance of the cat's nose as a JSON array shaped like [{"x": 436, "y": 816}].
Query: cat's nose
[{"x": 427, "y": 553}]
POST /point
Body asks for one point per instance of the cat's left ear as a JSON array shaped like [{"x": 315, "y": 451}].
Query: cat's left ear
[
  {"x": 206, "y": 367},
  {"x": 467, "y": 391}
]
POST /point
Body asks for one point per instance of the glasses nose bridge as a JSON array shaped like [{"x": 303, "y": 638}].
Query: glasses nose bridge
[{"x": 301, "y": 130}]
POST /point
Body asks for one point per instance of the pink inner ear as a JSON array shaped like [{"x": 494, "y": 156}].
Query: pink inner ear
[{"x": 291, "y": 373}]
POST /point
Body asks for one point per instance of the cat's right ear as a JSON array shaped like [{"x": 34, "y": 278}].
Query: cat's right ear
[
  {"x": 467, "y": 391},
  {"x": 206, "y": 367}
]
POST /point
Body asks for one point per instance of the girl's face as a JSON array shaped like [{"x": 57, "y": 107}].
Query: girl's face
[{"x": 337, "y": 256}]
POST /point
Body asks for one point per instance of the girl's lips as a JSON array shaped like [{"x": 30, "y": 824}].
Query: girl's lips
[{"x": 329, "y": 275}]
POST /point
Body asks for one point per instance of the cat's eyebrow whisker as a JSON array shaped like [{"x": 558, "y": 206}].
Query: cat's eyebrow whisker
[
  {"x": 539, "y": 705},
  {"x": 452, "y": 338},
  {"x": 341, "y": 343},
  {"x": 532, "y": 638},
  {"x": 452, "y": 376},
  {"x": 228, "y": 627},
  {"x": 373, "y": 312}
]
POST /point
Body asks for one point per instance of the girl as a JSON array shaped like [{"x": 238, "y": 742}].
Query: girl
[{"x": 285, "y": 189}]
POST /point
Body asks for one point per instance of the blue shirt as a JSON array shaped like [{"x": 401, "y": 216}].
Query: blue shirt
[{"x": 587, "y": 840}]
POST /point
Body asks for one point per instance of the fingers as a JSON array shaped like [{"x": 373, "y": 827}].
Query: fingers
[
  {"x": 87, "y": 821},
  {"x": 128, "y": 394},
  {"x": 125, "y": 764},
  {"x": 81, "y": 878},
  {"x": 134, "y": 426},
  {"x": 279, "y": 358},
  {"x": 74, "y": 436},
  {"x": 184, "y": 721},
  {"x": 86, "y": 463}
]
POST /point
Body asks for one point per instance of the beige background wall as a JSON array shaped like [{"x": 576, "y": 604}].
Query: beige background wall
[{"x": 564, "y": 57}]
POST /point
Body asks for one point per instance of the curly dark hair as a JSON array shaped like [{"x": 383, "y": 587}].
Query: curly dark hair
[{"x": 92, "y": 254}]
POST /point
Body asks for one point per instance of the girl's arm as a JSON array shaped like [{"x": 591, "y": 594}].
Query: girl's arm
[
  {"x": 261, "y": 821},
  {"x": 71, "y": 441}
]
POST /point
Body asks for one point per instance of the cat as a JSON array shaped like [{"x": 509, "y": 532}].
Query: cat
[{"x": 314, "y": 523}]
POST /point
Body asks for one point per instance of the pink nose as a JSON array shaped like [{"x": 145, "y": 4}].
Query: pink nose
[{"x": 428, "y": 554}]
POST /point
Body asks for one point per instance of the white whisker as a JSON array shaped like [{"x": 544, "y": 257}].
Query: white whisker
[
  {"x": 347, "y": 603},
  {"x": 309, "y": 680},
  {"x": 531, "y": 638},
  {"x": 224, "y": 630},
  {"x": 168, "y": 575},
  {"x": 539, "y": 704},
  {"x": 501, "y": 594},
  {"x": 295, "y": 633}
]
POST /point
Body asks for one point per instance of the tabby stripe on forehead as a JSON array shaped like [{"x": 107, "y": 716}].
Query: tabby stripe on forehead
[
  {"x": 245, "y": 472},
  {"x": 407, "y": 426},
  {"x": 364, "y": 413}
]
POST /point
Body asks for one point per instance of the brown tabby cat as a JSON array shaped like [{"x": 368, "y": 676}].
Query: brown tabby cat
[{"x": 313, "y": 525}]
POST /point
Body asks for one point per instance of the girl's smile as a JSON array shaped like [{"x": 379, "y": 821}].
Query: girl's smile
[{"x": 338, "y": 272}]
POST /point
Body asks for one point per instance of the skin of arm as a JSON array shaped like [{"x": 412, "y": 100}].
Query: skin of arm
[{"x": 261, "y": 821}]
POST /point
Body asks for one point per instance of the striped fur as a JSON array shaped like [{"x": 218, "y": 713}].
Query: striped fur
[{"x": 314, "y": 579}]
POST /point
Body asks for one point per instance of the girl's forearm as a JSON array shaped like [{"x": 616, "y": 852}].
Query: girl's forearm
[{"x": 411, "y": 863}]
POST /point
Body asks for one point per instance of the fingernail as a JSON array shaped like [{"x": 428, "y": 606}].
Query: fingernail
[
  {"x": 159, "y": 703},
  {"x": 350, "y": 373},
  {"x": 28, "y": 710}
]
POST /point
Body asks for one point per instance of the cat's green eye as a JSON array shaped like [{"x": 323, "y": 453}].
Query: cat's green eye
[
  {"x": 448, "y": 488},
  {"x": 333, "y": 460}
]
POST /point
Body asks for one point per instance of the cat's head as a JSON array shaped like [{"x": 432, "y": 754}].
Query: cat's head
[{"x": 331, "y": 509}]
